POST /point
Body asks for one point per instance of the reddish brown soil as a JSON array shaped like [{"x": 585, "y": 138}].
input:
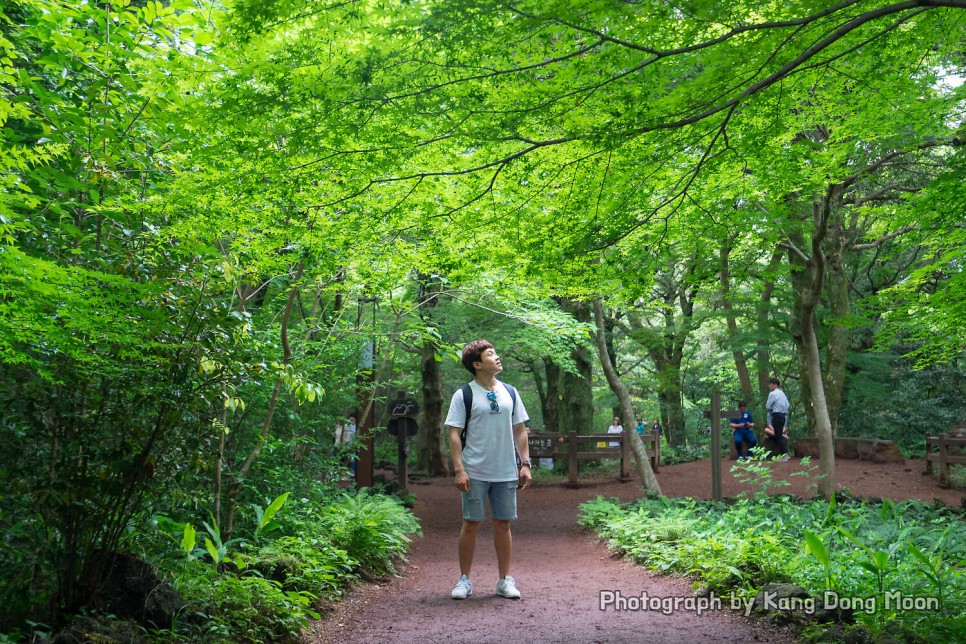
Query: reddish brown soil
[
  {"x": 898, "y": 481},
  {"x": 561, "y": 571}
]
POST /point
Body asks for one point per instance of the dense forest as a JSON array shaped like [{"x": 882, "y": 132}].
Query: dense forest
[{"x": 225, "y": 225}]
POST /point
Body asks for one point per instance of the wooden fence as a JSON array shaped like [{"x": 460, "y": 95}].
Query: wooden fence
[
  {"x": 576, "y": 448},
  {"x": 947, "y": 449}
]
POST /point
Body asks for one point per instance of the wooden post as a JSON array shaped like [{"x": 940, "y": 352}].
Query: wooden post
[
  {"x": 572, "y": 459},
  {"x": 366, "y": 420},
  {"x": 625, "y": 457},
  {"x": 656, "y": 437},
  {"x": 716, "y": 446},
  {"x": 943, "y": 460},
  {"x": 403, "y": 463},
  {"x": 715, "y": 414}
]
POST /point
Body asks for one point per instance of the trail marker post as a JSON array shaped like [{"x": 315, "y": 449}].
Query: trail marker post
[
  {"x": 403, "y": 426},
  {"x": 715, "y": 414}
]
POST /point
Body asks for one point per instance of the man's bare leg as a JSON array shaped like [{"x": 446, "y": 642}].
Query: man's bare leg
[
  {"x": 503, "y": 541},
  {"x": 467, "y": 545}
]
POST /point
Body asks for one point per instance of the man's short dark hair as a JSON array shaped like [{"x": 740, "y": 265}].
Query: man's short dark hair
[
  {"x": 473, "y": 352},
  {"x": 774, "y": 381},
  {"x": 741, "y": 403}
]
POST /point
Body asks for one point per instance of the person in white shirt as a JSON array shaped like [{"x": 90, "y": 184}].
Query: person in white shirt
[
  {"x": 615, "y": 428},
  {"x": 777, "y": 406},
  {"x": 485, "y": 464}
]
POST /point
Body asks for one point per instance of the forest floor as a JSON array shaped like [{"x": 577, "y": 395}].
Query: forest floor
[{"x": 561, "y": 570}]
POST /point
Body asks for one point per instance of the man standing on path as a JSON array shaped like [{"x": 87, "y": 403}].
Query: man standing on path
[
  {"x": 484, "y": 459},
  {"x": 777, "y": 406}
]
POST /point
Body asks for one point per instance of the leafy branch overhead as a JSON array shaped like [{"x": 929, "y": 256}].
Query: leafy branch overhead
[{"x": 483, "y": 86}]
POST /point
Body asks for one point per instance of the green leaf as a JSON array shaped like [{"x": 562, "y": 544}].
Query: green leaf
[
  {"x": 817, "y": 548},
  {"x": 213, "y": 551},
  {"x": 188, "y": 539},
  {"x": 881, "y": 559},
  {"x": 273, "y": 508}
]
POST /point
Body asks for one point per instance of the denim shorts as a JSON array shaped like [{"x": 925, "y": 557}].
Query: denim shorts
[{"x": 503, "y": 500}]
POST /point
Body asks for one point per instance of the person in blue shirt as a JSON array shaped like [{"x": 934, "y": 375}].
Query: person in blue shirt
[{"x": 743, "y": 433}]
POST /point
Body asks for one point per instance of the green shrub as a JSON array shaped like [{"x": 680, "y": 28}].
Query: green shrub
[
  {"x": 306, "y": 563},
  {"x": 372, "y": 529},
  {"x": 268, "y": 593},
  {"x": 225, "y": 608}
]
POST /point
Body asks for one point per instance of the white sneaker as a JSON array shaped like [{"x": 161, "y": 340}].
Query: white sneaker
[
  {"x": 783, "y": 458},
  {"x": 507, "y": 587},
  {"x": 464, "y": 588}
]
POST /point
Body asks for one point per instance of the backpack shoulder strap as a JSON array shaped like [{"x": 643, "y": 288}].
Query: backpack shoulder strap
[
  {"x": 467, "y": 403},
  {"x": 513, "y": 396},
  {"x": 468, "y": 406}
]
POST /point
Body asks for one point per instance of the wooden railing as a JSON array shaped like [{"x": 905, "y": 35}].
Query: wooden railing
[
  {"x": 596, "y": 446},
  {"x": 946, "y": 449}
]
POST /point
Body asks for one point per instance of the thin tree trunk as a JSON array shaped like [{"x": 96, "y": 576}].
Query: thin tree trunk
[
  {"x": 220, "y": 457},
  {"x": 537, "y": 371},
  {"x": 551, "y": 417},
  {"x": 235, "y": 489},
  {"x": 741, "y": 364},
  {"x": 839, "y": 336},
  {"x": 809, "y": 288},
  {"x": 644, "y": 470},
  {"x": 763, "y": 329},
  {"x": 801, "y": 279},
  {"x": 576, "y": 411}
]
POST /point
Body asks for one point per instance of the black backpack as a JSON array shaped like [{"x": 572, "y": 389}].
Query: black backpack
[{"x": 468, "y": 405}]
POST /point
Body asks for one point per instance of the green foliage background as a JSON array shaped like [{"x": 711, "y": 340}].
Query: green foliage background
[{"x": 207, "y": 210}]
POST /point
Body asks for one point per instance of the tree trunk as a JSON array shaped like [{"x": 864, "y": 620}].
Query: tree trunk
[
  {"x": 220, "y": 455},
  {"x": 801, "y": 279},
  {"x": 576, "y": 409},
  {"x": 540, "y": 383},
  {"x": 669, "y": 396},
  {"x": 763, "y": 327},
  {"x": 839, "y": 335},
  {"x": 809, "y": 282},
  {"x": 644, "y": 470},
  {"x": 665, "y": 338},
  {"x": 551, "y": 409},
  {"x": 823, "y": 424},
  {"x": 432, "y": 439},
  {"x": 741, "y": 364},
  {"x": 431, "y": 450}
]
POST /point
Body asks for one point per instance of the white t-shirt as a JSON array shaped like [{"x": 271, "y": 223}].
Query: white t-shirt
[
  {"x": 611, "y": 429},
  {"x": 490, "y": 454}
]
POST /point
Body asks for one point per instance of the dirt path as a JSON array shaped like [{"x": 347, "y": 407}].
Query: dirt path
[{"x": 561, "y": 571}]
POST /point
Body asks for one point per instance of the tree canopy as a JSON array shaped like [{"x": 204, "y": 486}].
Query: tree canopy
[{"x": 207, "y": 210}]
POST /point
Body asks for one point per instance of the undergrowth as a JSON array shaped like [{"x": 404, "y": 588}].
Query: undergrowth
[
  {"x": 855, "y": 548},
  {"x": 266, "y": 585}
]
